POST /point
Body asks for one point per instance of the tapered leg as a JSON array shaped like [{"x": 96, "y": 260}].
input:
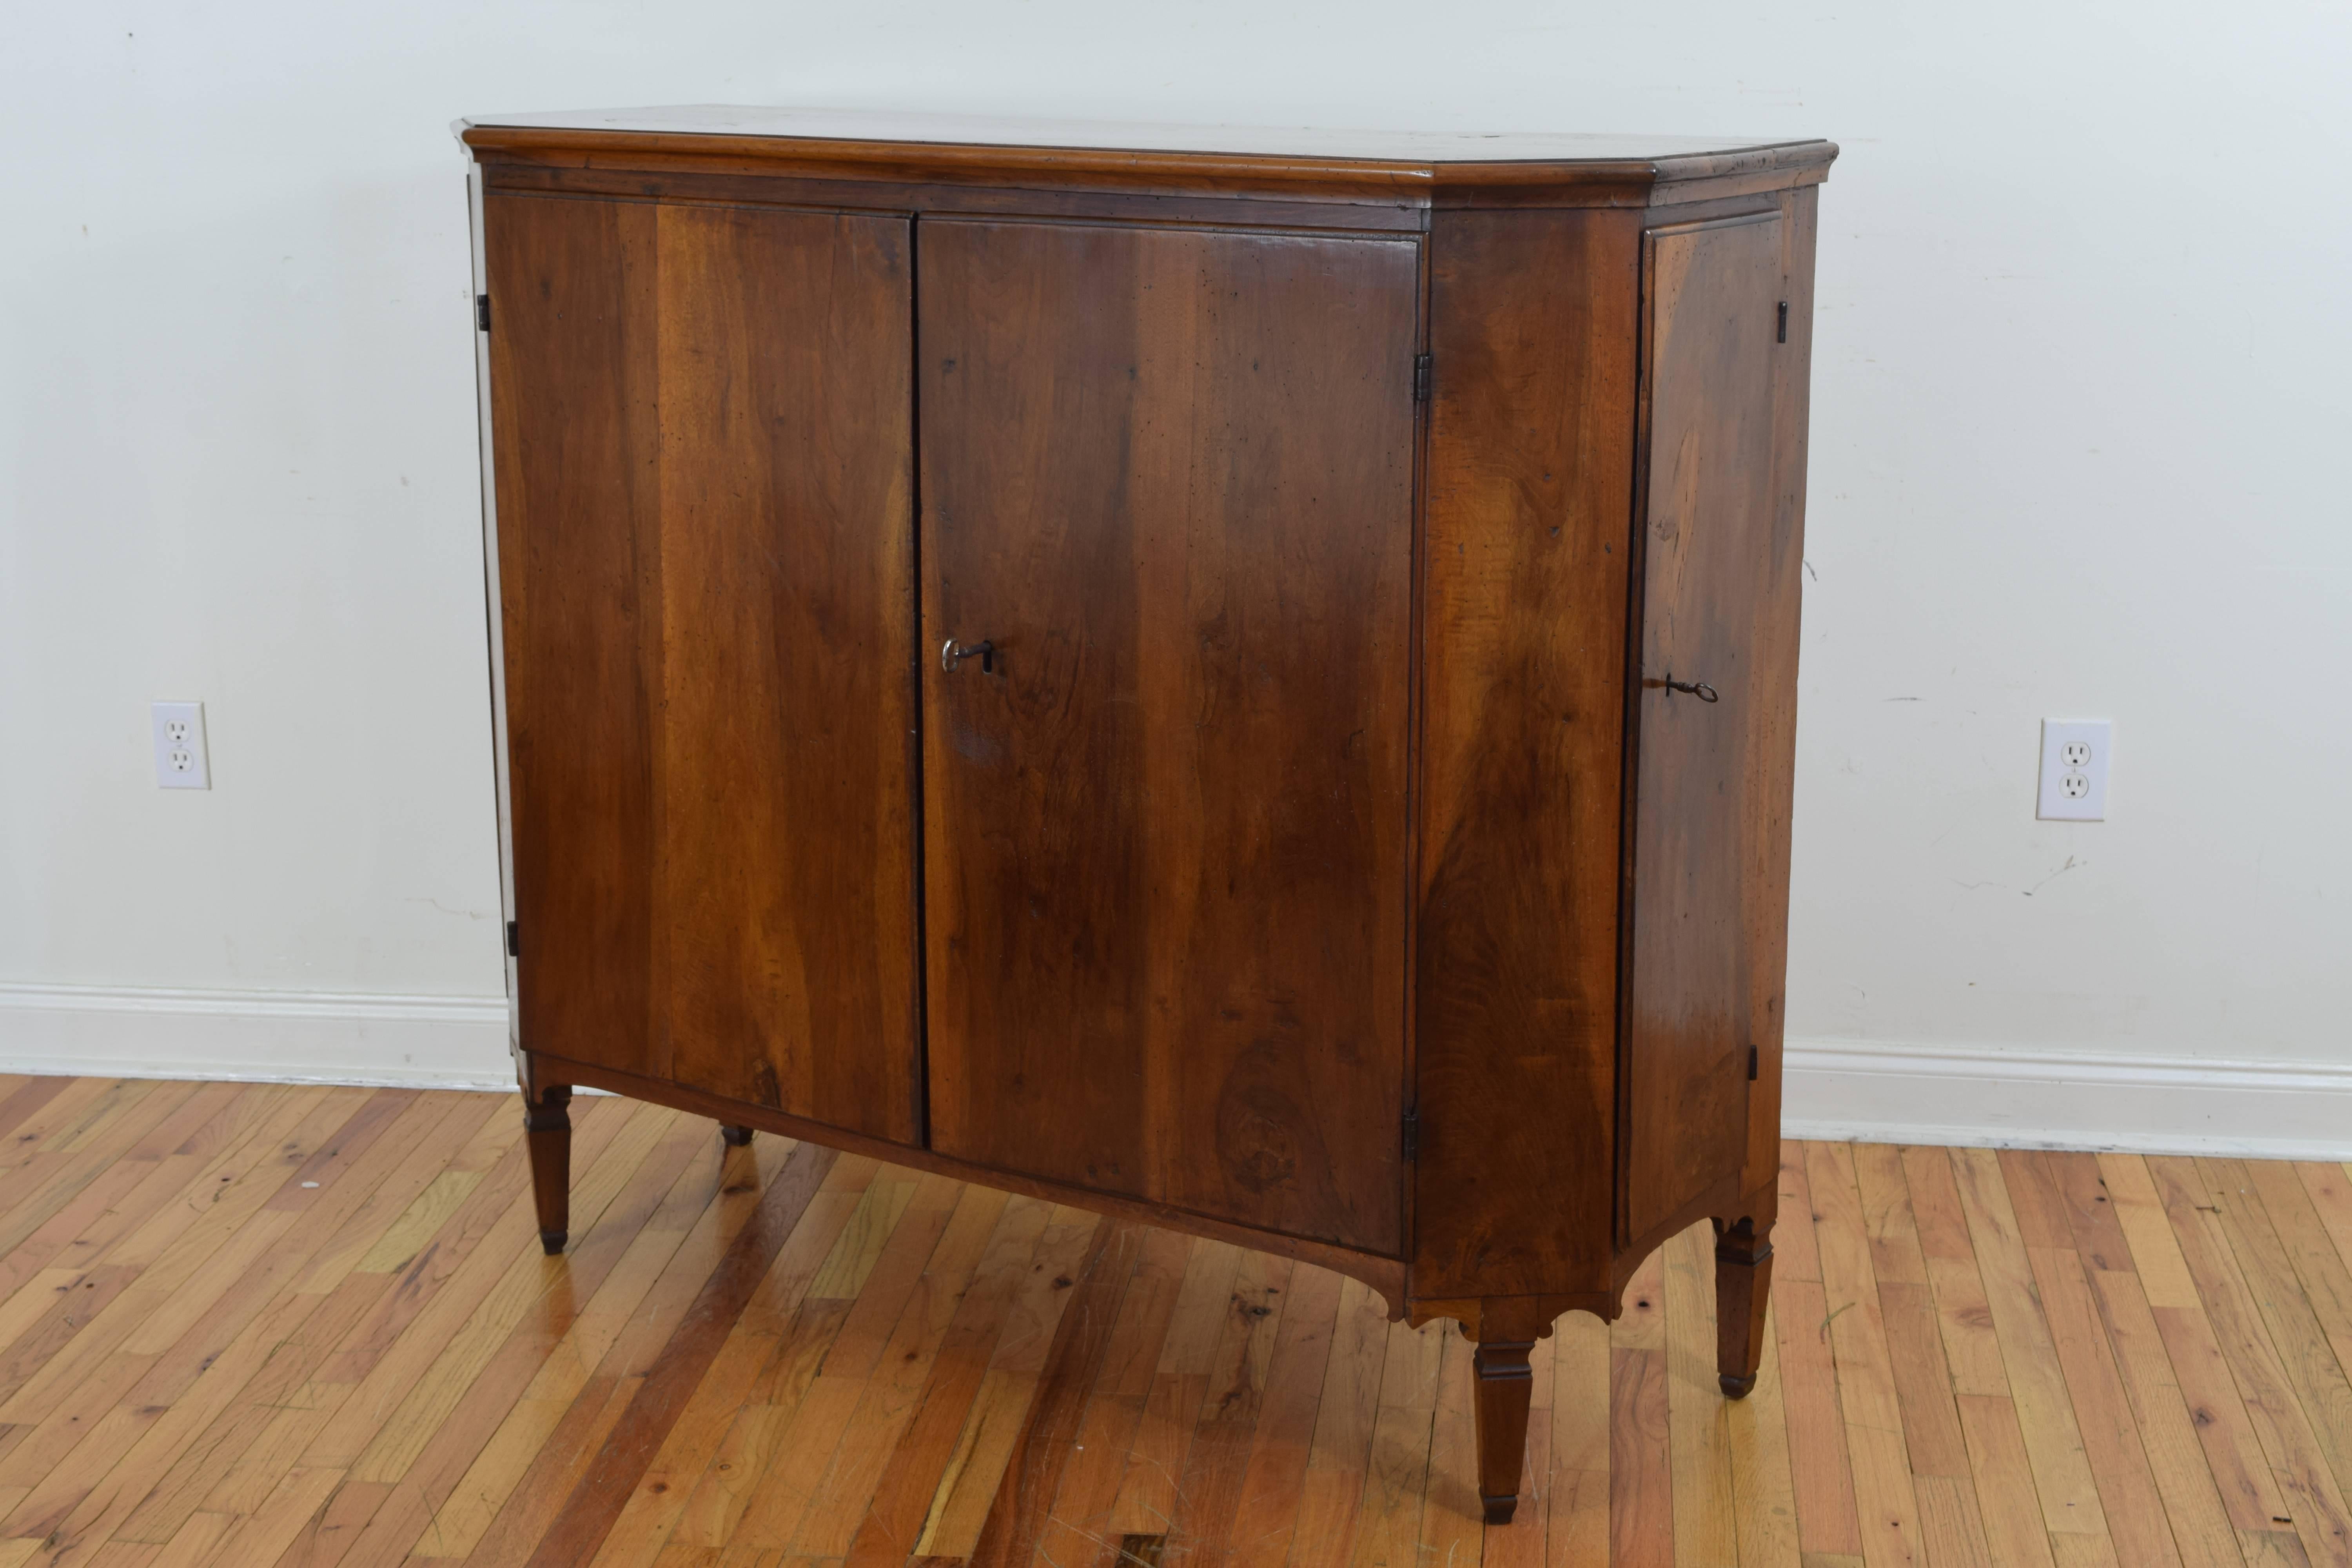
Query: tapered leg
[
  {"x": 547, "y": 1129},
  {"x": 1504, "y": 1384},
  {"x": 1743, "y": 1283},
  {"x": 736, "y": 1136}
]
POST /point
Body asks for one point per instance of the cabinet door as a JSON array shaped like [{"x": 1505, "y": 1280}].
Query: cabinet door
[
  {"x": 704, "y": 451},
  {"x": 1713, "y": 292},
  {"x": 1168, "y": 475}
]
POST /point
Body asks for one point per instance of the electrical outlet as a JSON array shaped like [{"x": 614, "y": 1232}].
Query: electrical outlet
[
  {"x": 2075, "y": 770},
  {"x": 180, "y": 760}
]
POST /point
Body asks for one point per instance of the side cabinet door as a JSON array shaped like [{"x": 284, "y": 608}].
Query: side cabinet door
[
  {"x": 703, "y": 431},
  {"x": 1167, "y": 476},
  {"x": 1710, "y": 326}
]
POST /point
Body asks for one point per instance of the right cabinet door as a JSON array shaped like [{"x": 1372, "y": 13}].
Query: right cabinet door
[
  {"x": 1167, "y": 476},
  {"x": 1711, "y": 326}
]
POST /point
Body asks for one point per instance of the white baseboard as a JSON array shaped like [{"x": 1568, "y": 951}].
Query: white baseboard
[
  {"x": 1872, "y": 1092},
  {"x": 1884, "y": 1092},
  {"x": 268, "y": 1037}
]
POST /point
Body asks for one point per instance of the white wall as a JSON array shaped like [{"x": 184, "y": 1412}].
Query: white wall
[{"x": 2080, "y": 422}]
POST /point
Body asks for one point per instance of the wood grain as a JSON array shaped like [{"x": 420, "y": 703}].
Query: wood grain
[
  {"x": 1709, "y": 562},
  {"x": 705, "y": 541},
  {"x": 1522, "y": 687},
  {"x": 1158, "y": 828},
  {"x": 462, "y": 1398},
  {"x": 1478, "y": 171}
]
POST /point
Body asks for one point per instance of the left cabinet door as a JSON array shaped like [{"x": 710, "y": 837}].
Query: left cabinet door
[{"x": 703, "y": 435}]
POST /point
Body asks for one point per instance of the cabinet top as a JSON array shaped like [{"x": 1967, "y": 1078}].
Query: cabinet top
[{"x": 960, "y": 148}]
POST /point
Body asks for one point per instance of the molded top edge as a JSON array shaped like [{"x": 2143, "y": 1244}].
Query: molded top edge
[{"x": 1400, "y": 157}]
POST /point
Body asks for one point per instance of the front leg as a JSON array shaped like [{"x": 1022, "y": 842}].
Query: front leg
[
  {"x": 1743, "y": 1284},
  {"x": 1504, "y": 1384},
  {"x": 546, "y": 1130}
]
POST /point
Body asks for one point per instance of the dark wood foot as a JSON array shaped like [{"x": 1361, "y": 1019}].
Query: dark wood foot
[
  {"x": 547, "y": 1129},
  {"x": 736, "y": 1137},
  {"x": 1504, "y": 1386},
  {"x": 1743, "y": 1283}
]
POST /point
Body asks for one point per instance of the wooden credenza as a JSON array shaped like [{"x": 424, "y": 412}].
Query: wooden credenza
[{"x": 1241, "y": 679}]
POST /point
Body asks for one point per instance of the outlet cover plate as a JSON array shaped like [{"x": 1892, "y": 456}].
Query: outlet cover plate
[
  {"x": 2074, "y": 769},
  {"x": 180, "y": 759}
]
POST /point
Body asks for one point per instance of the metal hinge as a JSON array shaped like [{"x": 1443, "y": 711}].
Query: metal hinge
[
  {"x": 482, "y": 312},
  {"x": 514, "y": 943},
  {"x": 1411, "y": 1135},
  {"x": 1420, "y": 378},
  {"x": 1784, "y": 321},
  {"x": 1752, "y": 1064}
]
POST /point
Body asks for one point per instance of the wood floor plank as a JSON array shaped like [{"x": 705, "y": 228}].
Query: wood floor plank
[
  {"x": 888, "y": 1374},
  {"x": 596, "y": 1501},
  {"x": 2304, "y": 1236},
  {"x": 820, "y": 1408},
  {"x": 186, "y": 1310},
  {"x": 2132, "y": 1508},
  {"x": 1147, "y": 1495},
  {"x": 2037, "y": 1386},
  {"x": 312, "y": 1327},
  {"x": 1083, "y": 1342},
  {"x": 629, "y": 1331},
  {"x": 1823, "y": 1475},
  {"x": 1388, "y": 1521},
  {"x": 1576, "y": 1527},
  {"x": 1952, "y": 1529},
  {"x": 624, "y": 1302},
  {"x": 1450, "y": 1527},
  {"x": 99, "y": 1178},
  {"x": 1914, "y": 1345},
  {"x": 1347, "y": 1421},
  {"x": 1763, "y": 1492},
  {"x": 262, "y": 1536},
  {"x": 2294, "y": 1449},
  {"x": 1209, "y": 1490},
  {"x": 381, "y": 1363},
  {"x": 24, "y": 1098},
  {"x": 2093, "y": 1219},
  {"x": 196, "y": 1437},
  {"x": 613, "y": 1192},
  {"x": 1886, "y": 1504},
  {"x": 1897, "y": 1257},
  {"x": 1641, "y": 1457},
  {"x": 811, "y": 1444},
  {"x": 910, "y": 1480},
  {"x": 1267, "y": 1513},
  {"x": 1000, "y": 1411},
  {"x": 2201, "y": 1529},
  {"x": 56, "y": 1154},
  {"x": 2225, "y": 1431},
  {"x": 1972, "y": 1356},
  {"x": 2163, "y": 1272},
  {"x": 2015, "y": 1533},
  {"x": 2295, "y": 1318},
  {"x": 1073, "y": 1527},
  {"x": 1698, "y": 1417},
  {"x": 729, "y": 1426},
  {"x": 2330, "y": 1186},
  {"x": 185, "y": 1235}
]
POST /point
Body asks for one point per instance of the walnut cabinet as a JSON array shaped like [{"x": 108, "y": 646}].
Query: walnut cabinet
[{"x": 1244, "y": 681}]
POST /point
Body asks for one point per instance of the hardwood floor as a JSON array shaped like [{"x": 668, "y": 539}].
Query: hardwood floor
[{"x": 255, "y": 1325}]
